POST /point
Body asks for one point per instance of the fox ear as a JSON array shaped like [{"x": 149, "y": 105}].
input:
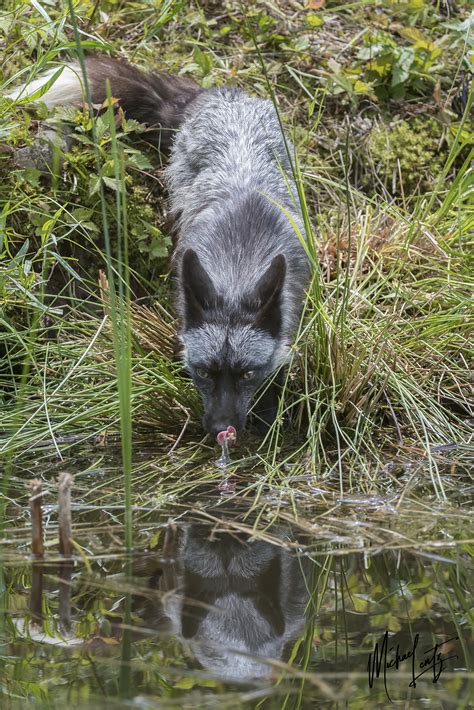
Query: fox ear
[
  {"x": 199, "y": 291},
  {"x": 266, "y": 296}
]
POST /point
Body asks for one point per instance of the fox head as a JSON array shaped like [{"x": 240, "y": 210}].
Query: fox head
[{"x": 231, "y": 344}]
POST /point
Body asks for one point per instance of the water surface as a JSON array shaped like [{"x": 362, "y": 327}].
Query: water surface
[{"x": 242, "y": 596}]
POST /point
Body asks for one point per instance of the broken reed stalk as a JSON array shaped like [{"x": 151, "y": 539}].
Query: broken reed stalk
[
  {"x": 104, "y": 292},
  {"x": 37, "y": 546},
  {"x": 65, "y": 548},
  {"x": 64, "y": 515}
]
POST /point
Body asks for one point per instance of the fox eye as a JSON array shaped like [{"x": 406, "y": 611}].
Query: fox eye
[
  {"x": 201, "y": 372},
  {"x": 248, "y": 375}
]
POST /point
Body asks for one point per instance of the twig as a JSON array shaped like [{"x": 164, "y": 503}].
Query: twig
[
  {"x": 176, "y": 443},
  {"x": 92, "y": 15}
]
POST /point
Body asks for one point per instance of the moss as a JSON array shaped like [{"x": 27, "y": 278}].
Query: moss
[{"x": 408, "y": 151}]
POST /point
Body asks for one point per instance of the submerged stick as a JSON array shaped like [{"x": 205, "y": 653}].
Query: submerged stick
[
  {"x": 64, "y": 514},
  {"x": 65, "y": 571},
  {"x": 37, "y": 546}
]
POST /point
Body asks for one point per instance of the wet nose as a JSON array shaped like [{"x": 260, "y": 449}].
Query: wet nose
[{"x": 217, "y": 424}]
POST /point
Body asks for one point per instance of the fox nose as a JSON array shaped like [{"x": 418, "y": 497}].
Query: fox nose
[{"x": 218, "y": 424}]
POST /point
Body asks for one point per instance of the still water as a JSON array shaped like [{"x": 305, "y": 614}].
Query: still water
[{"x": 223, "y": 605}]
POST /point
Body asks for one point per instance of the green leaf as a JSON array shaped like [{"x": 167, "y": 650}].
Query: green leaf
[
  {"x": 94, "y": 184},
  {"x": 31, "y": 176},
  {"x": 203, "y": 60},
  {"x": 138, "y": 160},
  {"x": 366, "y": 53},
  {"x": 113, "y": 184},
  {"x": 22, "y": 250},
  {"x": 401, "y": 70},
  {"x": 65, "y": 264}
]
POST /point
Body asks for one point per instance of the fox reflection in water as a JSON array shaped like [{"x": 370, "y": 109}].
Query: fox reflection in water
[{"x": 235, "y": 600}]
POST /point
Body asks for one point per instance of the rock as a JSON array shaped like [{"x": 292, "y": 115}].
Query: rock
[{"x": 41, "y": 155}]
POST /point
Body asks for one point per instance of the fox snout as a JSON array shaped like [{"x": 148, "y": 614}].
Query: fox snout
[
  {"x": 215, "y": 422},
  {"x": 226, "y": 399}
]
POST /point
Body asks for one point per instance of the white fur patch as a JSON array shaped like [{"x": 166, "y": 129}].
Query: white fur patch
[{"x": 68, "y": 87}]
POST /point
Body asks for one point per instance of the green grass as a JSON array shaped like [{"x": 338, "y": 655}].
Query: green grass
[
  {"x": 382, "y": 359},
  {"x": 381, "y": 365}
]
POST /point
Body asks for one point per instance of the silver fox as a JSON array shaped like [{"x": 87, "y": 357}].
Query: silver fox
[{"x": 241, "y": 269}]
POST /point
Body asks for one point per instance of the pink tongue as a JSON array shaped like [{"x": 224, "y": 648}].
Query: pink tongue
[{"x": 229, "y": 434}]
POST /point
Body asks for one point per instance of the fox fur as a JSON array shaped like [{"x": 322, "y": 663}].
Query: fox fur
[{"x": 241, "y": 269}]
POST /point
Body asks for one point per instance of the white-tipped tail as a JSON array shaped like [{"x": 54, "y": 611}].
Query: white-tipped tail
[
  {"x": 67, "y": 88},
  {"x": 157, "y": 99}
]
